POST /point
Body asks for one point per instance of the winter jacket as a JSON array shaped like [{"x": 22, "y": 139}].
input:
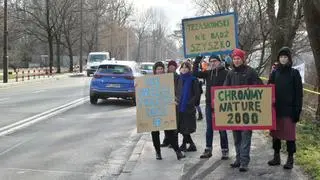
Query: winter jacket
[
  {"x": 289, "y": 92},
  {"x": 187, "y": 120},
  {"x": 243, "y": 75},
  {"x": 214, "y": 77}
]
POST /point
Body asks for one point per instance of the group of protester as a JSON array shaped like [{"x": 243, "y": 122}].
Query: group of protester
[{"x": 288, "y": 105}]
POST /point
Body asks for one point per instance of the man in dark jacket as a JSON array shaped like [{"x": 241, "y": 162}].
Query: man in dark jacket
[
  {"x": 214, "y": 76},
  {"x": 289, "y": 92},
  {"x": 241, "y": 74}
]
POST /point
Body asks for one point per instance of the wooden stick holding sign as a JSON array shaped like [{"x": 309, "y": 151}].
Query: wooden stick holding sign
[
  {"x": 248, "y": 107},
  {"x": 156, "y": 108}
]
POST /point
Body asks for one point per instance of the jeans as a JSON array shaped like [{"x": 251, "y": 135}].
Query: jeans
[
  {"x": 209, "y": 134},
  {"x": 242, "y": 143}
]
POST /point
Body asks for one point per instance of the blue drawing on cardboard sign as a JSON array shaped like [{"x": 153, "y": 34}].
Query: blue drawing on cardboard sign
[{"x": 157, "y": 122}]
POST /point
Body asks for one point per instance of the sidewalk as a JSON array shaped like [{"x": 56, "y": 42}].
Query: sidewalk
[
  {"x": 142, "y": 164},
  {"x": 12, "y": 82}
]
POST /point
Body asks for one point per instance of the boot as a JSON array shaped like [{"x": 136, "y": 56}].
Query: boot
[
  {"x": 200, "y": 116},
  {"x": 243, "y": 168},
  {"x": 183, "y": 147},
  {"x": 225, "y": 154},
  {"x": 289, "y": 164},
  {"x": 192, "y": 148},
  {"x": 276, "y": 160},
  {"x": 236, "y": 164},
  {"x": 158, "y": 155},
  {"x": 180, "y": 155},
  {"x": 206, "y": 154}
]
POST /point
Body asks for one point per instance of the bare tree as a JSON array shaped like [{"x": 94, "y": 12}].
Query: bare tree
[
  {"x": 141, "y": 28},
  {"x": 284, "y": 25},
  {"x": 312, "y": 15}
]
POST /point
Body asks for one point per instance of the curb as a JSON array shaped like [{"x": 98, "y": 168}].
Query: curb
[{"x": 135, "y": 156}]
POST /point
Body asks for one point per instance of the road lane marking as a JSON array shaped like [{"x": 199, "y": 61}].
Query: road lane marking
[
  {"x": 15, "y": 146},
  {"x": 39, "y": 91},
  {"x": 42, "y": 116},
  {"x": 3, "y": 99},
  {"x": 48, "y": 171}
]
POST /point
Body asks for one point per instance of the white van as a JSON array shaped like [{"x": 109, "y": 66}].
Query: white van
[{"x": 94, "y": 60}]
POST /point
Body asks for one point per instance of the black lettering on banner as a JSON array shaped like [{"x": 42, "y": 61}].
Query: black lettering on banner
[
  {"x": 228, "y": 44},
  {"x": 246, "y": 118},
  {"x": 254, "y": 118},
  {"x": 230, "y": 121},
  {"x": 238, "y": 118}
]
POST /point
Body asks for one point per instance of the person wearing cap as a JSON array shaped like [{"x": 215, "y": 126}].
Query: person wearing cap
[
  {"x": 241, "y": 74},
  {"x": 172, "y": 67},
  {"x": 159, "y": 68},
  {"x": 289, "y": 94},
  {"x": 187, "y": 93},
  {"x": 215, "y": 75}
]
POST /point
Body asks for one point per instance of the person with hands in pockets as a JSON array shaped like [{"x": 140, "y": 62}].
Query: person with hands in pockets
[{"x": 289, "y": 94}]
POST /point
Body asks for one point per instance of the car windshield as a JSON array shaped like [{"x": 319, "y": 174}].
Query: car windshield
[
  {"x": 114, "y": 69},
  {"x": 146, "y": 66},
  {"x": 97, "y": 57}
]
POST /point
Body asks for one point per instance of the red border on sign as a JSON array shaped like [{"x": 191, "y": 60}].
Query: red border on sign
[{"x": 272, "y": 127}]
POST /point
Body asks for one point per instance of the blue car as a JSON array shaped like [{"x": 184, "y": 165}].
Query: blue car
[{"x": 114, "y": 79}]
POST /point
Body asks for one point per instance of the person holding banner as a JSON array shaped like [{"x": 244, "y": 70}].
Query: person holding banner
[
  {"x": 289, "y": 92},
  {"x": 215, "y": 76},
  {"x": 187, "y": 94},
  {"x": 172, "y": 67},
  {"x": 159, "y": 68},
  {"x": 241, "y": 74}
]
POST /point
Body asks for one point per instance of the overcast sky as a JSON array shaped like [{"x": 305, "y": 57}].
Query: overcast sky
[{"x": 174, "y": 10}]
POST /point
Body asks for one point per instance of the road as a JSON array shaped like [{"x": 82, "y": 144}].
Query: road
[{"x": 84, "y": 142}]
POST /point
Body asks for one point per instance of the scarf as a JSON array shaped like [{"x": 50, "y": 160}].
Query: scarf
[{"x": 185, "y": 95}]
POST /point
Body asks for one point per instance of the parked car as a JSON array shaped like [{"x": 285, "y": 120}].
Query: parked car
[
  {"x": 146, "y": 67},
  {"x": 114, "y": 79}
]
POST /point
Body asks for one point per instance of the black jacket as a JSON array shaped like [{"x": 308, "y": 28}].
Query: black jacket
[
  {"x": 215, "y": 77},
  {"x": 243, "y": 75},
  {"x": 289, "y": 92}
]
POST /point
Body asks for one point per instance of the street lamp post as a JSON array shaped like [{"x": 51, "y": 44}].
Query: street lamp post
[
  {"x": 127, "y": 44},
  {"x": 81, "y": 35},
  {"x": 5, "y": 43}
]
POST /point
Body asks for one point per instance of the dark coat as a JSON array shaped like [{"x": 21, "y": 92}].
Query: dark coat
[
  {"x": 215, "y": 77},
  {"x": 289, "y": 92},
  {"x": 187, "y": 120},
  {"x": 243, "y": 75}
]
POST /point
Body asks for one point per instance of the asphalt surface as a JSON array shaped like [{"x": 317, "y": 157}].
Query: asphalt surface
[{"x": 86, "y": 142}]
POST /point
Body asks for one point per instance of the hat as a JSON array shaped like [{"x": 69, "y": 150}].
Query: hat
[
  {"x": 285, "y": 51},
  {"x": 213, "y": 56},
  {"x": 238, "y": 52},
  {"x": 172, "y": 63},
  {"x": 158, "y": 64},
  {"x": 228, "y": 60}
]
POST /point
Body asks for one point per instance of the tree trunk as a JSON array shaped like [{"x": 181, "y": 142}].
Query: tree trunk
[
  {"x": 71, "y": 59},
  {"x": 50, "y": 41},
  {"x": 312, "y": 15},
  {"x": 284, "y": 29},
  {"x": 58, "y": 54},
  {"x": 139, "y": 48}
]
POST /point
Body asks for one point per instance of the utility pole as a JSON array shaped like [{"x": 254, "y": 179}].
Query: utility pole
[
  {"x": 127, "y": 44},
  {"x": 5, "y": 43},
  {"x": 81, "y": 34}
]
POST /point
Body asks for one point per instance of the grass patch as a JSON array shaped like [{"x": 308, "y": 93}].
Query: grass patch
[{"x": 308, "y": 148}]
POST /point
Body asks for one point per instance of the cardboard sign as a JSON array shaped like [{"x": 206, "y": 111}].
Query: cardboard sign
[
  {"x": 155, "y": 97},
  {"x": 247, "y": 107},
  {"x": 210, "y": 34}
]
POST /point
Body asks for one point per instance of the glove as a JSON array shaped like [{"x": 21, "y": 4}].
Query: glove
[{"x": 198, "y": 59}]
